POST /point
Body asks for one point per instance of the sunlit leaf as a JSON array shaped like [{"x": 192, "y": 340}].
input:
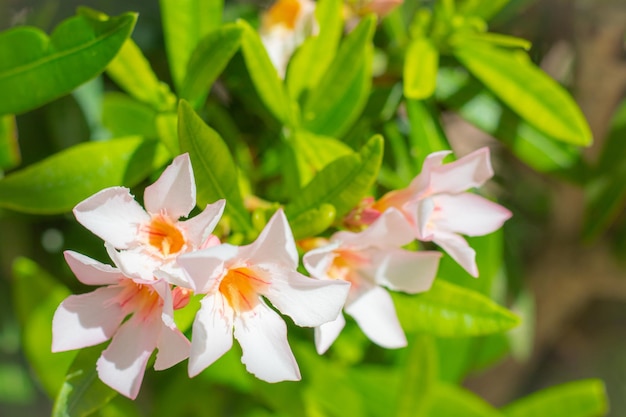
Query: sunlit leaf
[
  {"x": 449, "y": 310},
  {"x": 59, "y": 182},
  {"x": 43, "y": 68},
  {"x": 215, "y": 170},
  {"x": 419, "y": 377},
  {"x": 452, "y": 401},
  {"x": 132, "y": 72},
  {"x": 338, "y": 99},
  {"x": 485, "y": 9},
  {"x": 420, "y": 69},
  {"x": 208, "y": 60},
  {"x": 9, "y": 148},
  {"x": 426, "y": 134},
  {"x": 314, "y": 56},
  {"x": 82, "y": 392},
  {"x": 586, "y": 398},
  {"x": 265, "y": 77},
  {"x": 185, "y": 22},
  {"x": 342, "y": 183},
  {"x": 312, "y": 222},
  {"x": 125, "y": 116},
  {"x": 527, "y": 90},
  {"x": 37, "y": 295}
]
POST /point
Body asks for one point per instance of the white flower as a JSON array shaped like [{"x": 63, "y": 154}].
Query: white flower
[
  {"x": 236, "y": 280},
  {"x": 92, "y": 318},
  {"x": 143, "y": 243},
  {"x": 368, "y": 260}
]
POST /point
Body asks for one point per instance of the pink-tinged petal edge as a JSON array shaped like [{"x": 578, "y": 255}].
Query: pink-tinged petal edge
[
  {"x": 471, "y": 214},
  {"x": 262, "y": 335},
  {"x": 212, "y": 334},
  {"x": 174, "y": 192},
  {"x": 375, "y": 314},
  {"x": 318, "y": 260},
  {"x": 199, "y": 228},
  {"x": 91, "y": 272},
  {"x": 470, "y": 171},
  {"x": 275, "y": 244},
  {"x": 327, "y": 333},
  {"x": 390, "y": 229},
  {"x": 123, "y": 363},
  {"x": 86, "y": 319},
  {"x": 173, "y": 347},
  {"x": 113, "y": 215},
  {"x": 309, "y": 302},
  {"x": 404, "y": 270},
  {"x": 459, "y": 250}
]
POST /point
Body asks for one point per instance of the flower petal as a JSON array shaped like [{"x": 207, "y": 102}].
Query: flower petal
[
  {"x": 459, "y": 250},
  {"x": 212, "y": 333},
  {"x": 390, "y": 229},
  {"x": 473, "y": 170},
  {"x": 327, "y": 333},
  {"x": 123, "y": 363},
  {"x": 376, "y": 316},
  {"x": 86, "y": 319},
  {"x": 262, "y": 335},
  {"x": 199, "y": 228},
  {"x": 404, "y": 270},
  {"x": 91, "y": 272},
  {"x": 469, "y": 214},
  {"x": 113, "y": 215},
  {"x": 203, "y": 267},
  {"x": 173, "y": 348},
  {"x": 308, "y": 301},
  {"x": 318, "y": 260},
  {"x": 275, "y": 244},
  {"x": 134, "y": 263},
  {"x": 174, "y": 192}
]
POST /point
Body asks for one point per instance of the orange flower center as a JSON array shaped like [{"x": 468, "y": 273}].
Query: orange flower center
[
  {"x": 283, "y": 12},
  {"x": 345, "y": 265},
  {"x": 241, "y": 287},
  {"x": 164, "y": 235},
  {"x": 139, "y": 299}
]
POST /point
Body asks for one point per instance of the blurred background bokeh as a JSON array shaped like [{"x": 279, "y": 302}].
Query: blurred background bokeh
[{"x": 574, "y": 267}]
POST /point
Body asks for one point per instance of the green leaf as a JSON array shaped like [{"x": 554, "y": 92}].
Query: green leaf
[
  {"x": 495, "y": 39},
  {"x": 481, "y": 108},
  {"x": 312, "y": 222},
  {"x": 485, "y": 9},
  {"x": 313, "y": 57},
  {"x": 185, "y": 22},
  {"x": 420, "y": 69},
  {"x": 35, "y": 69},
  {"x": 342, "y": 183},
  {"x": 452, "y": 401},
  {"x": 9, "y": 148},
  {"x": 449, "y": 310},
  {"x": 340, "y": 96},
  {"x": 418, "y": 377},
  {"x": 208, "y": 60},
  {"x": 586, "y": 398},
  {"x": 527, "y": 90},
  {"x": 125, "y": 116},
  {"x": 264, "y": 76},
  {"x": 216, "y": 172},
  {"x": 37, "y": 295},
  {"x": 167, "y": 131},
  {"x": 426, "y": 134},
  {"x": 59, "y": 182},
  {"x": 132, "y": 72},
  {"x": 82, "y": 393}
]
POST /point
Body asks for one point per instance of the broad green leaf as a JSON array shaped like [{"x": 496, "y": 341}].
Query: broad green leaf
[
  {"x": 420, "y": 69},
  {"x": 216, "y": 172},
  {"x": 125, "y": 116},
  {"x": 418, "y": 379},
  {"x": 449, "y": 310},
  {"x": 185, "y": 22},
  {"x": 426, "y": 135},
  {"x": 59, "y": 182},
  {"x": 264, "y": 76},
  {"x": 167, "y": 130},
  {"x": 82, "y": 393},
  {"x": 41, "y": 69},
  {"x": 586, "y": 398},
  {"x": 314, "y": 152},
  {"x": 37, "y": 295},
  {"x": 342, "y": 183},
  {"x": 312, "y": 222},
  {"x": 479, "y": 107},
  {"x": 527, "y": 90},
  {"x": 132, "y": 72},
  {"x": 208, "y": 60},
  {"x": 9, "y": 148},
  {"x": 452, "y": 401},
  {"x": 485, "y": 9},
  {"x": 313, "y": 57},
  {"x": 495, "y": 39},
  {"x": 341, "y": 94}
]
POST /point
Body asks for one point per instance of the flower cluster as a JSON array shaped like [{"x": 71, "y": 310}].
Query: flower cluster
[{"x": 160, "y": 260}]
